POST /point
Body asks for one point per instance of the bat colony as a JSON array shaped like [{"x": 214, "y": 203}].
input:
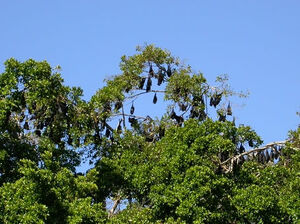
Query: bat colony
[{"x": 267, "y": 154}]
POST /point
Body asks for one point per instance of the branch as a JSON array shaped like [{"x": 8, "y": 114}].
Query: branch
[
  {"x": 235, "y": 158},
  {"x": 116, "y": 203},
  {"x": 153, "y": 91},
  {"x": 187, "y": 109},
  {"x": 270, "y": 145},
  {"x": 109, "y": 127},
  {"x": 160, "y": 67},
  {"x": 129, "y": 115}
]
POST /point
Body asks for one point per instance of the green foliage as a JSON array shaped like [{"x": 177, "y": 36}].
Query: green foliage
[
  {"x": 19, "y": 203},
  {"x": 177, "y": 176},
  {"x": 84, "y": 211},
  {"x": 35, "y": 104},
  {"x": 134, "y": 215},
  {"x": 49, "y": 195},
  {"x": 172, "y": 169},
  {"x": 259, "y": 205}
]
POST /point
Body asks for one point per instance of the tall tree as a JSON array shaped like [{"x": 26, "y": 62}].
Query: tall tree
[{"x": 191, "y": 165}]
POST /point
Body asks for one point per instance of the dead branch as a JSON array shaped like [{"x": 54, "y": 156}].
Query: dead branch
[
  {"x": 270, "y": 145},
  {"x": 235, "y": 158}
]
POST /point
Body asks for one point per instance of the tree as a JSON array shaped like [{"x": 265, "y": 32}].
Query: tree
[
  {"x": 50, "y": 194},
  {"x": 192, "y": 165},
  {"x": 35, "y": 104}
]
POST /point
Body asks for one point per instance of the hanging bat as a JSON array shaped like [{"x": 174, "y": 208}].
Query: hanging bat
[
  {"x": 132, "y": 109},
  {"x": 217, "y": 99},
  {"x": 160, "y": 77},
  {"x": 276, "y": 153},
  {"x": 119, "y": 127},
  {"x": 155, "y": 99},
  {"x": 182, "y": 106},
  {"x": 272, "y": 154},
  {"x": 242, "y": 148},
  {"x": 38, "y": 132},
  {"x": 179, "y": 120},
  {"x": 202, "y": 115},
  {"x": 149, "y": 83},
  {"x": 169, "y": 72},
  {"x": 233, "y": 121},
  {"x": 132, "y": 121},
  {"x": 194, "y": 113},
  {"x": 151, "y": 72},
  {"x": 142, "y": 82},
  {"x": 222, "y": 117},
  {"x": 161, "y": 132},
  {"x": 267, "y": 156},
  {"x": 229, "y": 110},
  {"x": 118, "y": 105},
  {"x": 26, "y": 125},
  {"x": 211, "y": 101},
  {"x": 107, "y": 132}
]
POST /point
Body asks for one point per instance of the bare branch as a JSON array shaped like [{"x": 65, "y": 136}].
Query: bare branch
[
  {"x": 270, "y": 145},
  {"x": 116, "y": 203},
  {"x": 109, "y": 127},
  {"x": 138, "y": 94},
  {"x": 129, "y": 115},
  {"x": 259, "y": 149}
]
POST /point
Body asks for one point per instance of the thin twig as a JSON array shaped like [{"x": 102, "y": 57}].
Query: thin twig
[
  {"x": 129, "y": 115},
  {"x": 188, "y": 108},
  {"x": 124, "y": 125},
  {"x": 138, "y": 94},
  {"x": 161, "y": 67}
]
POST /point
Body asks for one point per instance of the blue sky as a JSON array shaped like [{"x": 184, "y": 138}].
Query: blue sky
[{"x": 257, "y": 43}]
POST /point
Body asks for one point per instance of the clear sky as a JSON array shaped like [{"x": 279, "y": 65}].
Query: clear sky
[{"x": 257, "y": 43}]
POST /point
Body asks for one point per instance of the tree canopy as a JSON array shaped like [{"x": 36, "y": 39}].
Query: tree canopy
[{"x": 191, "y": 165}]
